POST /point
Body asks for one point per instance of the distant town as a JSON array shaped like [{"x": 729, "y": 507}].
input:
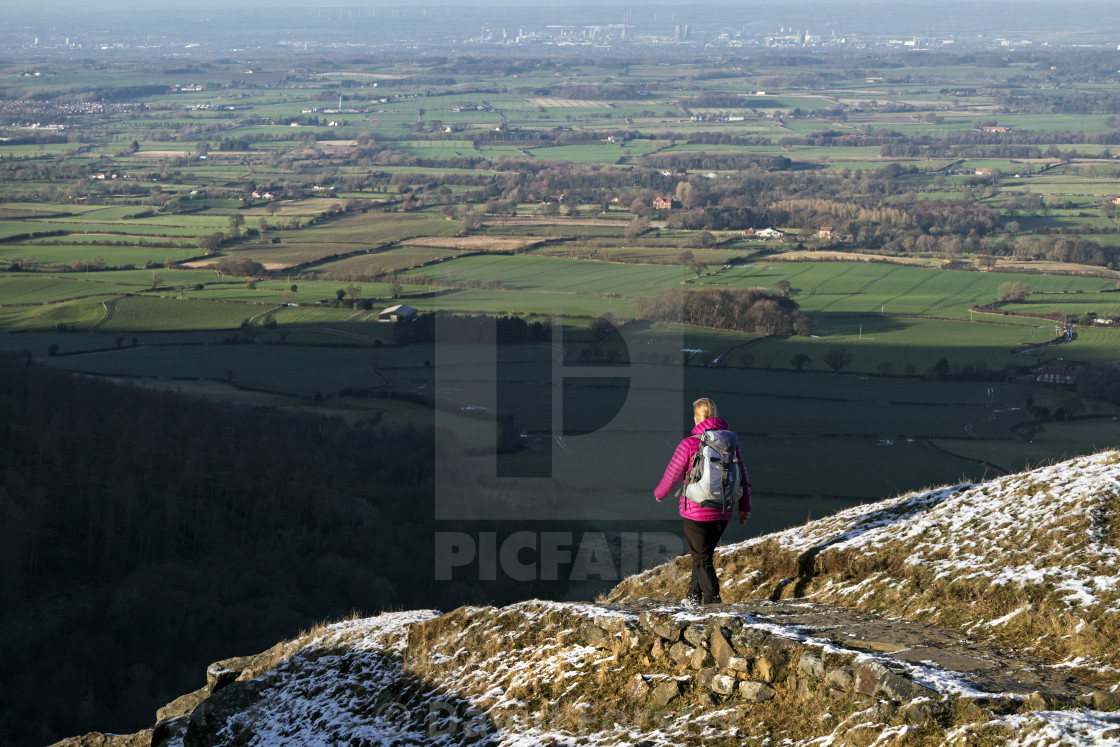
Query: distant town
[{"x": 668, "y": 30}]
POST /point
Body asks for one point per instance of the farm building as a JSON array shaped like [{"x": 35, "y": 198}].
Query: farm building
[
  {"x": 396, "y": 313},
  {"x": 768, "y": 233},
  {"x": 1057, "y": 374}
]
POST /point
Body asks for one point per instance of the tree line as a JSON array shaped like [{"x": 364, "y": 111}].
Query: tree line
[
  {"x": 471, "y": 328},
  {"x": 742, "y": 310}
]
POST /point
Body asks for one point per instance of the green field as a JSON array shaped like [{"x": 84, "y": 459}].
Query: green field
[
  {"x": 83, "y": 314},
  {"x": 347, "y": 235},
  {"x": 722, "y": 148},
  {"x": 908, "y": 346},
  {"x": 549, "y": 274},
  {"x": 390, "y": 260},
  {"x": 436, "y": 149},
  {"x": 895, "y": 322},
  {"x": 598, "y": 153},
  {"x": 39, "y": 290},
  {"x": 136, "y": 313},
  {"x": 1053, "y": 443},
  {"x": 870, "y": 288},
  {"x": 891, "y": 318},
  {"x": 649, "y": 253},
  {"x": 114, "y": 256}
]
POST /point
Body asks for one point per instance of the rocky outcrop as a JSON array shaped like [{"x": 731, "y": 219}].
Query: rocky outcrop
[
  {"x": 96, "y": 739},
  {"x": 474, "y": 671},
  {"x": 195, "y": 717},
  {"x": 230, "y": 687}
]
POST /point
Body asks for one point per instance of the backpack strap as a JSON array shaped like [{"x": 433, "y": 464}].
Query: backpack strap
[
  {"x": 726, "y": 480},
  {"x": 691, "y": 464}
]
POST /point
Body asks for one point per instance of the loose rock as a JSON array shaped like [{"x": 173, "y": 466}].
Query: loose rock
[
  {"x": 756, "y": 692},
  {"x": 666, "y": 692},
  {"x": 681, "y": 653},
  {"x": 695, "y": 634},
  {"x": 841, "y": 678},
  {"x": 724, "y": 684},
  {"x": 721, "y": 649},
  {"x": 811, "y": 665},
  {"x": 637, "y": 689}
]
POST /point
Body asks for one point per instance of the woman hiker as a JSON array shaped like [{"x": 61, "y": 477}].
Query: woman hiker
[{"x": 703, "y": 525}]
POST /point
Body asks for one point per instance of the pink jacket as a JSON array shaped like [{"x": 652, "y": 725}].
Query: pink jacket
[{"x": 678, "y": 466}]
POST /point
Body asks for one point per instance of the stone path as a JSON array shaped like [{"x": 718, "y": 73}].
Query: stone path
[{"x": 945, "y": 653}]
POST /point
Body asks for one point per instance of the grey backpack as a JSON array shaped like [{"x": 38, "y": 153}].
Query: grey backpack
[{"x": 714, "y": 479}]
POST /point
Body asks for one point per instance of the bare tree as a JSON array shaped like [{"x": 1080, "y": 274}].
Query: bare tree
[
  {"x": 1015, "y": 291},
  {"x": 684, "y": 194},
  {"x": 837, "y": 358},
  {"x": 636, "y": 228},
  {"x": 800, "y": 360}
]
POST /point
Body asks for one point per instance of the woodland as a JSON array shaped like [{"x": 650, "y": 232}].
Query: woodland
[{"x": 145, "y": 535}]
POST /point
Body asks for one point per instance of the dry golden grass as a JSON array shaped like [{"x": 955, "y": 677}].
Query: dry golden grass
[
  {"x": 275, "y": 656},
  {"x": 1110, "y": 520}
]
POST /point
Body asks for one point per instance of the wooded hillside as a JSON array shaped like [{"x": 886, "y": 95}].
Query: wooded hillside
[{"x": 144, "y": 534}]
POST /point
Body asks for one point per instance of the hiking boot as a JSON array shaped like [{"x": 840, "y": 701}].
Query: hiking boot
[
  {"x": 692, "y": 600},
  {"x": 712, "y": 600}
]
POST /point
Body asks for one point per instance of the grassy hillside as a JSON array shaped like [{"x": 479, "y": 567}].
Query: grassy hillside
[{"x": 1030, "y": 561}]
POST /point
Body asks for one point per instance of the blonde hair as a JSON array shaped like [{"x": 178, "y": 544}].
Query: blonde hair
[{"x": 704, "y": 408}]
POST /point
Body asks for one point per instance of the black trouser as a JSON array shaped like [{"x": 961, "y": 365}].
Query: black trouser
[{"x": 702, "y": 538}]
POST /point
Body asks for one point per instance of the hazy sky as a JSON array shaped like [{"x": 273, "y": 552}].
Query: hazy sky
[
  {"x": 1049, "y": 20},
  {"x": 55, "y": 7},
  {"x": 528, "y": 5}
]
